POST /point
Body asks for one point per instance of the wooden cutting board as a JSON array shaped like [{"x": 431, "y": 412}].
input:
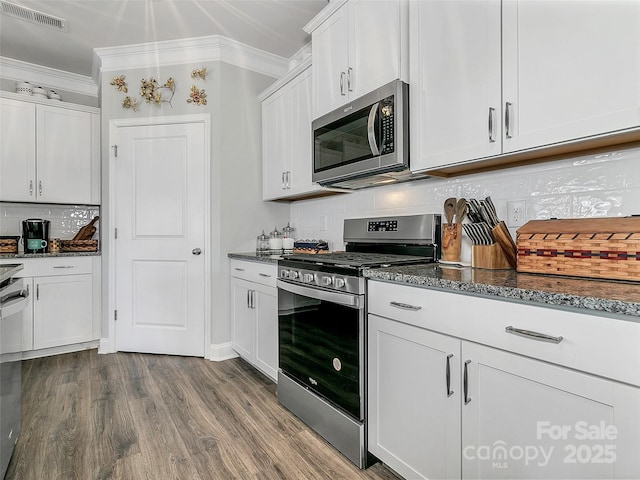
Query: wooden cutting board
[{"x": 86, "y": 232}]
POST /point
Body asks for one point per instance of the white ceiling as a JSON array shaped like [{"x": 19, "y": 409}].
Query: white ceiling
[{"x": 271, "y": 25}]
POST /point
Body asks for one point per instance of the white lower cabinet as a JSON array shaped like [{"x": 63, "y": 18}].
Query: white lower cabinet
[
  {"x": 64, "y": 303},
  {"x": 530, "y": 419},
  {"x": 445, "y": 407},
  {"x": 254, "y": 314},
  {"x": 414, "y": 413},
  {"x": 62, "y": 310}
]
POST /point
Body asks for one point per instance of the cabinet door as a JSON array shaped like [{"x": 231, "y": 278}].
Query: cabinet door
[
  {"x": 276, "y": 143},
  {"x": 570, "y": 70},
  {"x": 530, "y": 419},
  {"x": 414, "y": 413},
  {"x": 242, "y": 319},
  {"x": 17, "y": 150},
  {"x": 65, "y": 154},
  {"x": 455, "y": 78},
  {"x": 301, "y": 134},
  {"x": 266, "y": 315},
  {"x": 330, "y": 61},
  {"x": 374, "y": 45},
  {"x": 63, "y": 310}
]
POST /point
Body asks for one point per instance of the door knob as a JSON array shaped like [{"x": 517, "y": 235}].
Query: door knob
[{"x": 196, "y": 251}]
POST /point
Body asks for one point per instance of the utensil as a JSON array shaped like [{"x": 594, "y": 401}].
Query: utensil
[
  {"x": 469, "y": 229},
  {"x": 485, "y": 233},
  {"x": 449, "y": 209},
  {"x": 461, "y": 210}
]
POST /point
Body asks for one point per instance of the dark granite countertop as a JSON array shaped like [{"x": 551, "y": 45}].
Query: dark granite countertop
[
  {"x": 254, "y": 257},
  {"x": 4, "y": 256},
  {"x": 596, "y": 296}
]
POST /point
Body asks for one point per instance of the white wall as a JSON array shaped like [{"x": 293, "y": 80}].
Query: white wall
[{"x": 584, "y": 186}]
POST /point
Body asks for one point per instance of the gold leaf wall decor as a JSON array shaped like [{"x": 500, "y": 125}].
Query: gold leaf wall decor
[
  {"x": 119, "y": 83},
  {"x": 199, "y": 73},
  {"x": 197, "y": 97},
  {"x": 131, "y": 103},
  {"x": 152, "y": 92}
]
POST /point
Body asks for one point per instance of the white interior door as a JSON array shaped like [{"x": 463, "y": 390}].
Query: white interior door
[{"x": 160, "y": 219}]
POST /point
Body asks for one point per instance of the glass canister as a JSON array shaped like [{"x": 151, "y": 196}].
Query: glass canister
[
  {"x": 288, "y": 238},
  {"x": 275, "y": 242},
  {"x": 262, "y": 244}
]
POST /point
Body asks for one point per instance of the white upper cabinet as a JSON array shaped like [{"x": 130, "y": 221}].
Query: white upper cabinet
[
  {"x": 54, "y": 156},
  {"x": 570, "y": 69},
  {"x": 455, "y": 81},
  {"x": 17, "y": 150},
  {"x": 286, "y": 138},
  {"x": 358, "y": 46},
  {"x": 491, "y": 78}
]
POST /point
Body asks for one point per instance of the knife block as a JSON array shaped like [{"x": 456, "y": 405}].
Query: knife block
[{"x": 490, "y": 257}]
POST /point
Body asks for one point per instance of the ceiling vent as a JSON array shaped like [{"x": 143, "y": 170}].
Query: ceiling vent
[{"x": 33, "y": 16}]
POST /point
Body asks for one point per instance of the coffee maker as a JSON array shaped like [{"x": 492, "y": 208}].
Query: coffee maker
[{"x": 35, "y": 235}]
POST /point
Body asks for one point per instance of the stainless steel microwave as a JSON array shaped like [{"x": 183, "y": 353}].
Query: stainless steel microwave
[{"x": 363, "y": 139}]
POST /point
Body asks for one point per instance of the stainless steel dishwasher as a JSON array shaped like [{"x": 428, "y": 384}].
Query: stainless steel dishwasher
[{"x": 13, "y": 300}]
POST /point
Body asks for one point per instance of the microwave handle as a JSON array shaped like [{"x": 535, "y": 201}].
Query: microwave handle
[{"x": 370, "y": 131}]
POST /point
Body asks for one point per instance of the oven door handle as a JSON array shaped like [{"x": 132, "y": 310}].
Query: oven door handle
[{"x": 348, "y": 300}]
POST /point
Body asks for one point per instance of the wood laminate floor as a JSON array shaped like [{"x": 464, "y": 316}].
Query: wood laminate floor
[{"x": 135, "y": 416}]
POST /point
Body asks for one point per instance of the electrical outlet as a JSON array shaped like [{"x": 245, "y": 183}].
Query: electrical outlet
[
  {"x": 516, "y": 213},
  {"x": 323, "y": 223}
]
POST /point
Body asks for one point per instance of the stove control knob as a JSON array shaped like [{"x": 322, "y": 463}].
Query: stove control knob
[
  {"x": 307, "y": 278},
  {"x": 293, "y": 275},
  {"x": 326, "y": 281},
  {"x": 285, "y": 273},
  {"x": 339, "y": 283}
]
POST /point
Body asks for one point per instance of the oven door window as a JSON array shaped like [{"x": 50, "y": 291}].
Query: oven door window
[{"x": 320, "y": 348}]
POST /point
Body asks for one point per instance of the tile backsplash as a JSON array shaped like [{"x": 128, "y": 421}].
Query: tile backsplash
[
  {"x": 65, "y": 220},
  {"x": 595, "y": 185}
]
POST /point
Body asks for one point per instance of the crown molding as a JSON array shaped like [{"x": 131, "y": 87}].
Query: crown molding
[
  {"x": 325, "y": 13},
  {"x": 188, "y": 50},
  {"x": 20, "y": 71},
  {"x": 282, "y": 81}
]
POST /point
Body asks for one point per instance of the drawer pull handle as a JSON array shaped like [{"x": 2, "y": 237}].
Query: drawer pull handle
[
  {"x": 465, "y": 382},
  {"x": 405, "y": 306},
  {"x": 533, "y": 335},
  {"x": 239, "y": 269},
  {"x": 448, "y": 375},
  {"x": 265, "y": 275},
  {"x": 64, "y": 266}
]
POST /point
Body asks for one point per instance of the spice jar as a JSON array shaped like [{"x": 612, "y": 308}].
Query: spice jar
[
  {"x": 275, "y": 242},
  {"x": 288, "y": 238},
  {"x": 262, "y": 244}
]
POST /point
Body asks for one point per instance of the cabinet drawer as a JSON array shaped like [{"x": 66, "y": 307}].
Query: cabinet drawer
[
  {"x": 45, "y": 267},
  {"x": 258, "y": 272},
  {"x": 599, "y": 345}
]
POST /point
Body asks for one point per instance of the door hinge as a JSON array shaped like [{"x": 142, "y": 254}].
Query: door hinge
[
  {"x": 115, "y": 150},
  {"x": 115, "y": 315},
  {"x": 115, "y": 234}
]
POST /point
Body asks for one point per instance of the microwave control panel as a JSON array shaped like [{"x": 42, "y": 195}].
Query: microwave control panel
[{"x": 387, "y": 125}]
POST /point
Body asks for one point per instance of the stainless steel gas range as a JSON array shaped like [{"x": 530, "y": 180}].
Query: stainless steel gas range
[{"x": 322, "y": 324}]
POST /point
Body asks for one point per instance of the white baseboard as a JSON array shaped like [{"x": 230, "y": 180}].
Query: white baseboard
[
  {"x": 106, "y": 346},
  {"x": 221, "y": 351},
  {"x": 47, "y": 352}
]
